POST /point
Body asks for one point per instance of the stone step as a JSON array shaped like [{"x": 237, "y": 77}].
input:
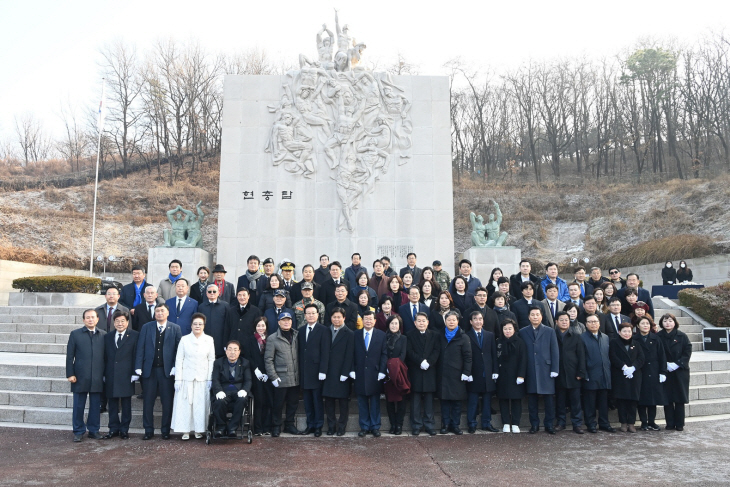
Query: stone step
[
  {"x": 42, "y": 310},
  {"x": 712, "y": 391},
  {"x": 51, "y": 319},
  {"x": 32, "y": 347},
  {"x": 709, "y": 378},
  {"x": 34, "y": 337},
  {"x": 692, "y": 328},
  {"x": 38, "y": 328},
  {"x": 34, "y": 384},
  {"x": 59, "y": 416},
  {"x": 24, "y": 370},
  {"x": 697, "y": 347},
  {"x": 695, "y": 337}
]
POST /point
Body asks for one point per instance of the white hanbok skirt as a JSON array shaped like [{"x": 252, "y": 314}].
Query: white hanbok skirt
[{"x": 191, "y": 407}]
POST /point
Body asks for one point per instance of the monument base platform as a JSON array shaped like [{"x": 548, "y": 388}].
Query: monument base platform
[
  {"x": 158, "y": 261},
  {"x": 484, "y": 259}
]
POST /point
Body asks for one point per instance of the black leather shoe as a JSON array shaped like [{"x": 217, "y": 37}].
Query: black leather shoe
[
  {"x": 166, "y": 437},
  {"x": 148, "y": 436},
  {"x": 490, "y": 428},
  {"x": 653, "y": 427},
  {"x": 550, "y": 431},
  {"x": 307, "y": 431},
  {"x": 392, "y": 429},
  {"x": 124, "y": 436},
  {"x": 111, "y": 435},
  {"x": 318, "y": 432},
  {"x": 679, "y": 428},
  {"x": 416, "y": 432},
  {"x": 577, "y": 430},
  {"x": 340, "y": 432},
  {"x": 560, "y": 427},
  {"x": 232, "y": 434},
  {"x": 376, "y": 433},
  {"x": 607, "y": 429},
  {"x": 292, "y": 430},
  {"x": 669, "y": 428},
  {"x": 457, "y": 431},
  {"x": 644, "y": 428},
  {"x": 398, "y": 430},
  {"x": 94, "y": 436},
  {"x": 472, "y": 430},
  {"x": 362, "y": 433},
  {"x": 592, "y": 430},
  {"x": 77, "y": 438},
  {"x": 275, "y": 432},
  {"x": 330, "y": 432},
  {"x": 103, "y": 409},
  {"x": 431, "y": 432},
  {"x": 444, "y": 430},
  {"x": 534, "y": 430},
  {"x": 140, "y": 396}
]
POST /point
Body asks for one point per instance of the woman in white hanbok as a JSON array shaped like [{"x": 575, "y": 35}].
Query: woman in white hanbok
[{"x": 193, "y": 372}]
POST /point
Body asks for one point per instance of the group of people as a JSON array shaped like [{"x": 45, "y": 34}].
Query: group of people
[{"x": 412, "y": 335}]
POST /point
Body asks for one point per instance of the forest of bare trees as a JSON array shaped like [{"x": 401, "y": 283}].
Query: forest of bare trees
[{"x": 656, "y": 111}]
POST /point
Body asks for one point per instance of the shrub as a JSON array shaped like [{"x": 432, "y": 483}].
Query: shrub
[
  {"x": 58, "y": 284},
  {"x": 711, "y": 303}
]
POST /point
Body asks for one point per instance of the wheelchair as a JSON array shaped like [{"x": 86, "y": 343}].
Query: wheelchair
[{"x": 245, "y": 427}]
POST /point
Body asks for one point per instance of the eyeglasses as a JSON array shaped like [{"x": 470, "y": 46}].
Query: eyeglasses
[
  {"x": 613, "y": 272},
  {"x": 212, "y": 292}
]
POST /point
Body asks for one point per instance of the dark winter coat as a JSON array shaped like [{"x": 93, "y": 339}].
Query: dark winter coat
[
  {"x": 456, "y": 359},
  {"x": 678, "y": 349},
  {"x": 419, "y": 348},
  {"x": 216, "y": 321},
  {"x": 491, "y": 320},
  {"x": 314, "y": 354},
  {"x": 85, "y": 360},
  {"x": 484, "y": 363},
  {"x": 242, "y": 325},
  {"x": 512, "y": 360},
  {"x": 572, "y": 359},
  {"x": 119, "y": 367},
  {"x": 542, "y": 359},
  {"x": 598, "y": 362},
  {"x": 266, "y": 300},
  {"x": 655, "y": 363},
  {"x": 341, "y": 362},
  {"x": 369, "y": 363},
  {"x": 669, "y": 276},
  {"x": 522, "y": 311},
  {"x": 622, "y": 386},
  {"x": 515, "y": 286}
]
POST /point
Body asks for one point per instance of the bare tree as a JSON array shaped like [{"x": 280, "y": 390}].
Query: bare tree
[
  {"x": 73, "y": 144},
  {"x": 32, "y": 140}
]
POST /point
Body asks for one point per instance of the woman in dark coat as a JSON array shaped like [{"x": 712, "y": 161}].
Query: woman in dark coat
[
  {"x": 492, "y": 285},
  {"x": 462, "y": 299},
  {"x": 627, "y": 359},
  {"x": 512, "y": 359},
  {"x": 362, "y": 284},
  {"x": 386, "y": 311},
  {"x": 572, "y": 311},
  {"x": 669, "y": 274},
  {"x": 396, "y": 292},
  {"x": 654, "y": 373},
  {"x": 253, "y": 350},
  {"x": 684, "y": 273},
  {"x": 443, "y": 306},
  {"x": 266, "y": 300},
  {"x": 678, "y": 350},
  {"x": 454, "y": 369},
  {"x": 396, "y": 345},
  {"x": 500, "y": 307}
]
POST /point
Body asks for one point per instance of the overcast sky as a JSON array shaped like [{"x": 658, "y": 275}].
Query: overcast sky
[{"x": 49, "y": 50}]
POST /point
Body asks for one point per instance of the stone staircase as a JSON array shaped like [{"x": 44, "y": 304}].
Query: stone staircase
[{"x": 35, "y": 393}]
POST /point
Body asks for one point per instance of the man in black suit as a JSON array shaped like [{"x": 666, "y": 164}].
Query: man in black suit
[
  {"x": 242, "y": 317},
  {"x": 371, "y": 357},
  {"x": 521, "y": 307},
  {"x": 336, "y": 387},
  {"x": 525, "y": 274},
  {"x": 120, "y": 349},
  {"x": 145, "y": 311},
  {"x": 409, "y": 310},
  {"x": 132, "y": 293},
  {"x": 155, "y": 363},
  {"x": 575, "y": 298},
  {"x": 341, "y": 301},
  {"x": 251, "y": 279},
  {"x": 632, "y": 282},
  {"x": 216, "y": 314},
  {"x": 571, "y": 351},
  {"x": 230, "y": 389},
  {"x": 106, "y": 311},
  {"x": 314, "y": 342},
  {"x": 422, "y": 354},
  {"x": 226, "y": 291},
  {"x": 484, "y": 374},
  {"x": 489, "y": 317},
  {"x": 328, "y": 286},
  {"x": 85, "y": 372},
  {"x": 412, "y": 269},
  {"x": 586, "y": 288},
  {"x": 323, "y": 271},
  {"x": 590, "y": 307},
  {"x": 611, "y": 320}
]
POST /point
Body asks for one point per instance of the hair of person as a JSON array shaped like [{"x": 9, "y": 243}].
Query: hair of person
[
  {"x": 385, "y": 258},
  {"x": 579, "y": 268},
  {"x": 592, "y": 315},
  {"x": 175, "y": 261},
  {"x": 338, "y": 309},
  {"x": 423, "y": 283},
  {"x": 590, "y": 297},
  {"x": 307, "y": 265},
  {"x": 119, "y": 313},
  {"x": 491, "y": 275},
  {"x": 311, "y": 305},
  {"x": 385, "y": 298},
  {"x": 392, "y": 318},
  {"x": 551, "y": 286},
  {"x": 633, "y": 274},
  {"x": 464, "y": 261},
  {"x": 451, "y": 313},
  {"x": 559, "y": 314},
  {"x": 461, "y": 278},
  {"x": 398, "y": 280},
  {"x": 363, "y": 291},
  {"x": 499, "y": 294},
  {"x": 210, "y": 285},
  {"x": 606, "y": 285},
  {"x": 359, "y": 275},
  {"x": 474, "y": 314},
  {"x": 550, "y": 264},
  {"x": 233, "y": 342},
  {"x": 408, "y": 256},
  {"x": 625, "y": 324},
  {"x": 354, "y": 254},
  {"x": 341, "y": 284},
  {"x": 448, "y": 295},
  {"x": 614, "y": 299},
  {"x": 595, "y": 269},
  {"x": 683, "y": 262},
  {"x": 527, "y": 284},
  {"x": 502, "y": 280},
  {"x": 336, "y": 264},
  {"x": 510, "y": 321},
  {"x": 574, "y": 284},
  {"x": 138, "y": 268},
  {"x": 525, "y": 261},
  {"x": 368, "y": 312},
  {"x": 324, "y": 255},
  {"x": 614, "y": 269},
  {"x": 253, "y": 257},
  {"x": 278, "y": 279},
  {"x": 568, "y": 306},
  {"x": 261, "y": 318},
  {"x": 535, "y": 308},
  {"x": 377, "y": 261},
  {"x": 182, "y": 279},
  {"x": 648, "y": 317},
  {"x": 162, "y": 305},
  {"x": 665, "y": 316},
  {"x": 202, "y": 267},
  {"x": 631, "y": 292},
  {"x": 111, "y": 288},
  {"x": 480, "y": 289},
  {"x": 421, "y": 313},
  {"x": 416, "y": 288},
  {"x": 199, "y": 315},
  {"x": 243, "y": 288}
]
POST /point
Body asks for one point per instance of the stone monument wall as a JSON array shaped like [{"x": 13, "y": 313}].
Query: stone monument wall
[{"x": 274, "y": 208}]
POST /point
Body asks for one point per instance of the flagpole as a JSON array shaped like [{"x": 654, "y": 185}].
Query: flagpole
[{"x": 96, "y": 183}]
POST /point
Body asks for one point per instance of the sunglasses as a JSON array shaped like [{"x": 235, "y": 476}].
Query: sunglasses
[
  {"x": 212, "y": 292},
  {"x": 613, "y": 272}
]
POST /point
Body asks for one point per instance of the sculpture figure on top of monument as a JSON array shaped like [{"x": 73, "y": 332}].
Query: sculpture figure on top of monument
[
  {"x": 186, "y": 228},
  {"x": 194, "y": 233},
  {"x": 344, "y": 53},
  {"x": 487, "y": 234},
  {"x": 324, "y": 48}
]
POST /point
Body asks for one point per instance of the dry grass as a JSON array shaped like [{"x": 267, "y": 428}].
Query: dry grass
[{"x": 676, "y": 247}]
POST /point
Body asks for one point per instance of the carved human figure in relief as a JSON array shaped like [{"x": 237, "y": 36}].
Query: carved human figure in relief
[
  {"x": 348, "y": 117},
  {"x": 325, "y": 46},
  {"x": 397, "y": 106},
  {"x": 342, "y": 57},
  {"x": 290, "y": 143}
]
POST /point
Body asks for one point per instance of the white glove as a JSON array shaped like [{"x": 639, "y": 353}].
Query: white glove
[
  {"x": 258, "y": 373},
  {"x": 630, "y": 371},
  {"x": 322, "y": 376},
  {"x": 209, "y": 384},
  {"x": 135, "y": 378},
  {"x": 352, "y": 374},
  {"x": 178, "y": 385},
  {"x": 520, "y": 380},
  {"x": 470, "y": 379},
  {"x": 425, "y": 365},
  {"x": 465, "y": 377},
  {"x": 242, "y": 393},
  {"x": 103, "y": 379},
  {"x": 172, "y": 372},
  {"x": 264, "y": 378},
  {"x": 671, "y": 366},
  {"x": 630, "y": 376},
  {"x": 138, "y": 371},
  {"x": 381, "y": 376},
  {"x": 276, "y": 383},
  {"x": 220, "y": 395},
  {"x": 343, "y": 378},
  {"x": 553, "y": 375},
  {"x": 495, "y": 376},
  {"x": 624, "y": 368},
  {"x": 662, "y": 378}
]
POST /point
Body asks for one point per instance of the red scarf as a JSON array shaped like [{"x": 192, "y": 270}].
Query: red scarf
[
  {"x": 261, "y": 341},
  {"x": 221, "y": 286}
]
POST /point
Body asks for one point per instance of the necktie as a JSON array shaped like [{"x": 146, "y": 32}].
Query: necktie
[
  {"x": 618, "y": 323},
  {"x": 552, "y": 310},
  {"x": 149, "y": 309},
  {"x": 334, "y": 334},
  {"x": 119, "y": 337},
  {"x": 582, "y": 290},
  {"x": 160, "y": 329},
  {"x": 179, "y": 305},
  {"x": 306, "y": 338},
  {"x": 367, "y": 339},
  {"x": 479, "y": 337},
  {"x": 415, "y": 312},
  {"x": 278, "y": 310},
  {"x": 109, "y": 318}
]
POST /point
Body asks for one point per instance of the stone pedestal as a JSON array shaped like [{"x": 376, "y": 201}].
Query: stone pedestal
[
  {"x": 158, "y": 261},
  {"x": 484, "y": 259}
]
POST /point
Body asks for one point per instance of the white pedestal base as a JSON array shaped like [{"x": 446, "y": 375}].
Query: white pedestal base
[
  {"x": 158, "y": 261},
  {"x": 484, "y": 259}
]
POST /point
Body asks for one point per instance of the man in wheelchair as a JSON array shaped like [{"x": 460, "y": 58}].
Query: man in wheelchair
[{"x": 230, "y": 390}]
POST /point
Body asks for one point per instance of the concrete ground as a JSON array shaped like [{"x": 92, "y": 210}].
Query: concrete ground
[{"x": 697, "y": 455}]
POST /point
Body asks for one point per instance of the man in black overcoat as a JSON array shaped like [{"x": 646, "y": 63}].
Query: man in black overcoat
[
  {"x": 484, "y": 373},
  {"x": 216, "y": 319},
  {"x": 572, "y": 372},
  {"x": 422, "y": 353},
  {"x": 521, "y": 307},
  {"x": 314, "y": 342},
  {"x": 336, "y": 386},
  {"x": 85, "y": 372},
  {"x": 242, "y": 317},
  {"x": 597, "y": 381},
  {"x": 121, "y": 351},
  {"x": 341, "y": 301},
  {"x": 489, "y": 316},
  {"x": 455, "y": 366},
  {"x": 371, "y": 357}
]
